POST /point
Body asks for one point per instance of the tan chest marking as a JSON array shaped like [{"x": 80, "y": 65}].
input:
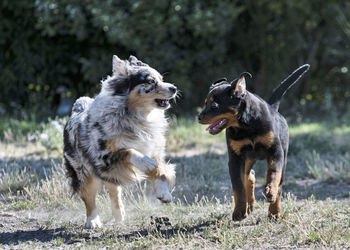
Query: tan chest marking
[
  {"x": 267, "y": 140},
  {"x": 111, "y": 145}
]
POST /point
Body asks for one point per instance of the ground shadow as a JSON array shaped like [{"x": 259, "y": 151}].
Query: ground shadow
[
  {"x": 48, "y": 235},
  {"x": 41, "y": 235}
]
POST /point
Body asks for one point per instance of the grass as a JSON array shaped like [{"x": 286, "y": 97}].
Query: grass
[{"x": 43, "y": 214}]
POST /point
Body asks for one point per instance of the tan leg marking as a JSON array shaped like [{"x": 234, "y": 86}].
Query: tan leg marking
[
  {"x": 275, "y": 209},
  {"x": 115, "y": 194},
  {"x": 240, "y": 211},
  {"x": 273, "y": 180},
  {"x": 88, "y": 195},
  {"x": 249, "y": 184}
]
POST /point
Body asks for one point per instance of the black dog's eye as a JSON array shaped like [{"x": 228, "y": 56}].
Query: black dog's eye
[{"x": 214, "y": 105}]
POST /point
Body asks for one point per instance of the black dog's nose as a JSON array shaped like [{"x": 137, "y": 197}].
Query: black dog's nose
[
  {"x": 173, "y": 89},
  {"x": 200, "y": 116}
]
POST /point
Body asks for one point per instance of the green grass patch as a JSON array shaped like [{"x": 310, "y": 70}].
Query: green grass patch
[
  {"x": 188, "y": 133},
  {"x": 33, "y": 183},
  {"x": 22, "y": 205}
]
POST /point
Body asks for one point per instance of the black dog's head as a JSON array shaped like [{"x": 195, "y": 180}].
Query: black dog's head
[{"x": 223, "y": 104}]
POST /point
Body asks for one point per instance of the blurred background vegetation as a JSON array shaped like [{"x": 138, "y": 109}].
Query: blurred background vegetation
[{"x": 52, "y": 52}]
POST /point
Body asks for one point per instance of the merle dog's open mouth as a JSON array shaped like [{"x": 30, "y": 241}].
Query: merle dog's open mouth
[
  {"x": 217, "y": 126},
  {"x": 162, "y": 102}
]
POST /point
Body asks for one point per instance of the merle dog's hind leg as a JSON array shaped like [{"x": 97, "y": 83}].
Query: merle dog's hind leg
[
  {"x": 115, "y": 194},
  {"x": 88, "y": 194}
]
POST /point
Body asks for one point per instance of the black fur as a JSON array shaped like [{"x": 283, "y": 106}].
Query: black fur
[
  {"x": 70, "y": 171},
  {"x": 254, "y": 131},
  {"x": 122, "y": 86},
  {"x": 277, "y": 94}
]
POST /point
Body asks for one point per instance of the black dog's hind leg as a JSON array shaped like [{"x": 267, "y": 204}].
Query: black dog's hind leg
[{"x": 273, "y": 188}]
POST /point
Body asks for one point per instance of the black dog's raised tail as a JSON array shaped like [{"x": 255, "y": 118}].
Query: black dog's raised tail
[{"x": 277, "y": 94}]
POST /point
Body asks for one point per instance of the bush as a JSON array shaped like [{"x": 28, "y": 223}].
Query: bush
[{"x": 50, "y": 44}]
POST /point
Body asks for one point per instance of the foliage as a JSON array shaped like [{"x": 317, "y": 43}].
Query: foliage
[{"x": 47, "y": 44}]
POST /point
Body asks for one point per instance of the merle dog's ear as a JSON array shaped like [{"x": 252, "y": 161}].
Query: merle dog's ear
[
  {"x": 136, "y": 62},
  {"x": 119, "y": 66},
  {"x": 217, "y": 83},
  {"x": 240, "y": 85}
]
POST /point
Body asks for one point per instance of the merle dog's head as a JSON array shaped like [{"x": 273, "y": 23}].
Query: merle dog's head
[
  {"x": 143, "y": 85},
  {"x": 223, "y": 104}
]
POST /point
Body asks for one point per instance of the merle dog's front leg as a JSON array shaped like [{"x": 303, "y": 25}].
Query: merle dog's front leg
[{"x": 130, "y": 156}]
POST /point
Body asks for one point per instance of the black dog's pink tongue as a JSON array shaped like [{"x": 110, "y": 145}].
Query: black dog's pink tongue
[
  {"x": 211, "y": 126},
  {"x": 217, "y": 126}
]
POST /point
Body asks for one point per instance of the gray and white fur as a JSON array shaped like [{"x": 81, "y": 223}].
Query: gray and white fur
[{"x": 119, "y": 137}]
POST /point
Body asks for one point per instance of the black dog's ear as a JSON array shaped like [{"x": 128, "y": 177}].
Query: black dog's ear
[
  {"x": 245, "y": 74},
  {"x": 217, "y": 83},
  {"x": 239, "y": 86},
  {"x": 136, "y": 62}
]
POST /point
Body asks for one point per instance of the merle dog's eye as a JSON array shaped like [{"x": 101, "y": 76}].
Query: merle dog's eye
[{"x": 152, "y": 81}]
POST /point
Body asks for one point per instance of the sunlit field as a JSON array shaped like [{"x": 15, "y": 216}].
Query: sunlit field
[{"x": 38, "y": 210}]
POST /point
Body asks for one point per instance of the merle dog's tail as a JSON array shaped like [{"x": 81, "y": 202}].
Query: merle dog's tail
[
  {"x": 81, "y": 104},
  {"x": 277, "y": 94}
]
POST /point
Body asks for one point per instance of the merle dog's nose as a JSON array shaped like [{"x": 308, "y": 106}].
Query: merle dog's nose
[{"x": 173, "y": 89}]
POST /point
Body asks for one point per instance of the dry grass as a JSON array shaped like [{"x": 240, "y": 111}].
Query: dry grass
[{"x": 38, "y": 210}]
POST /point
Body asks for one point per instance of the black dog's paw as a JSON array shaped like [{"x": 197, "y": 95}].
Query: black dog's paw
[
  {"x": 239, "y": 214},
  {"x": 270, "y": 194},
  {"x": 250, "y": 208}
]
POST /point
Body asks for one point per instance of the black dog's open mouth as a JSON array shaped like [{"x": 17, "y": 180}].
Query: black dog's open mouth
[
  {"x": 163, "y": 103},
  {"x": 217, "y": 126}
]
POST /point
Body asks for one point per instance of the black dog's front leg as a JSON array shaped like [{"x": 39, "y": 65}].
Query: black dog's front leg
[{"x": 236, "y": 168}]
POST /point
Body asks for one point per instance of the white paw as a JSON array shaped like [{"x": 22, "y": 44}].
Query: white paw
[
  {"x": 93, "y": 222},
  {"x": 142, "y": 162},
  {"x": 162, "y": 191},
  {"x": 118, "y": 214}
]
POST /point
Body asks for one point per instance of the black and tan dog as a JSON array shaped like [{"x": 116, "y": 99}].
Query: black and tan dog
[{"x": 255, "y": 130}]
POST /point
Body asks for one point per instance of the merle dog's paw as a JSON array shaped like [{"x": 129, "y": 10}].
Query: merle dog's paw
[
  {"x": 162, "y": 191},
  {"x": 118, "y": 214},
  {"x": 93, "y": 222}
]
